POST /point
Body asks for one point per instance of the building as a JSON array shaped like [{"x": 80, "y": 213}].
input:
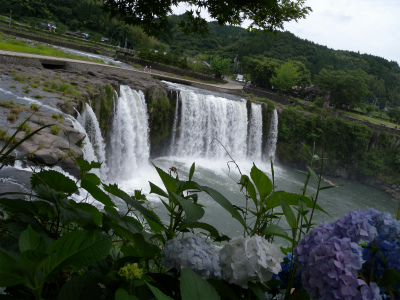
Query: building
[{"x": 50, "y": 26}]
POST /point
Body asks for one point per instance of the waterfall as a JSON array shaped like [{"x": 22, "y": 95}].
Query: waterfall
[
  {"x": 272, "y": 136},
  {"x": 207, "y": 124},
  {"x": 128, "y": 144},
  {"x": 89, "y": 122},
  {"x": 255, "y": 133},
  {"x": 175, "y": 124}
]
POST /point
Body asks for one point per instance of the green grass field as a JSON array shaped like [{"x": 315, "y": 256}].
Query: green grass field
[{"x": 19, "y": 45}]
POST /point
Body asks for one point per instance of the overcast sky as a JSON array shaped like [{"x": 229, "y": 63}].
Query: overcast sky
[{"x": 368, "y": 26}]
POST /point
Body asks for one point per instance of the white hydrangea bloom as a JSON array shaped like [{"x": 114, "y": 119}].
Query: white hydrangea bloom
[
  {"x": 246, "y": 259},
  {"x": 192, "y": 252}
]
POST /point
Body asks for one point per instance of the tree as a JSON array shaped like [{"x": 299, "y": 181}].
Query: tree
[
  {"x": 345, "y": 87},
  {"x": 394, "y": 114},
  {"x": 261, "y": 70},
  {"x": 220, "y": 66},
  {"x": 287, "y": 75},
  {"x": 152, "y": 15}
]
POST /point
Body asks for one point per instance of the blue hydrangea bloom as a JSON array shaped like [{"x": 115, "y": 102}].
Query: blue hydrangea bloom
[{"x": 192, "y": 252}]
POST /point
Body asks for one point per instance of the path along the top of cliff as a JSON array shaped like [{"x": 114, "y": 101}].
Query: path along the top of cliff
[{"x": 231, "y": 86}]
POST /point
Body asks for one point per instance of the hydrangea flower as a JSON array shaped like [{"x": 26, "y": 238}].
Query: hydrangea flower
[
  {"x": 192, "y": 252},
  {"x": 331, "y": 270},
  {"x": 329, "y": 258},
  {"x": 248, "y": 259},
  {"x": 285, "y": 273}
]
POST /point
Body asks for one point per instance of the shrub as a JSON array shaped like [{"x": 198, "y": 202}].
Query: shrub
[
  {"x": 11, "y": 117},
  {"x": 55, "y": 130},
  {"x": 34, "y": 106}
]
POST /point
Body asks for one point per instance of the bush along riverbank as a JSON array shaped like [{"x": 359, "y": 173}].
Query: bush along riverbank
[
  {"x": 353, "y": 150},
  {"x": 57, "y": 245}
]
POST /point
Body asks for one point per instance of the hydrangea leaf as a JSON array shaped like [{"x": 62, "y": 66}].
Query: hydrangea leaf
[
  {"x": 193, "y": 287},
  {"x": 80, "y": 288},
  {"x": 157, "y": 293},
  {"x": 77, "y": 249},
  {"x": 10, "y": 271},
  {"x": 30, "y": 240}
]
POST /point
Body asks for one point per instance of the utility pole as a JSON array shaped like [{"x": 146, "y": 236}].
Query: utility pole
[{"x": 9, "y": 24}]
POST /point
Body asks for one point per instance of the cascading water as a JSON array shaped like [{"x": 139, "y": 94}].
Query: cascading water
[
  {"x": 206, "y": 123},
  {"x": 255, "y": 133},
  {"x": 89, "y": 121},
  {"x": 128, "y": 143},
  {"x": 272, "y": 136}
]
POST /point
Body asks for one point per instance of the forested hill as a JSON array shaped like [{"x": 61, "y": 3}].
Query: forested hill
[
  {"x": 225, "y": 41},
  {"x": 229, "y": 41}
]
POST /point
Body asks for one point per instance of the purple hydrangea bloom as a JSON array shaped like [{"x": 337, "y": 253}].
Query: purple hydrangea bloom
[
  {"x": 329, "y": 258},
  {"x": 331, "y": 270},
  {"x": 192, "y": 252}
]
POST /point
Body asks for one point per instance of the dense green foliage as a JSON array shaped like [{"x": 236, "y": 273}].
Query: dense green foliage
[
  {"x": 345, "y": 86},
  {"x": 152, "y": 16},
  {"x": 347, "y": 145},
  {"x": 220, "y": 66}
]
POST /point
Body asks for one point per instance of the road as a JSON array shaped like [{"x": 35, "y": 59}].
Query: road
[{"x": 231, "y": 85}]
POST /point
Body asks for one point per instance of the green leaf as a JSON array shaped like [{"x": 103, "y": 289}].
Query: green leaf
[
  {"x": 275, "y": 230},
  {"x": 122, "y": 294},
  {"x": 212, "y": 230},
  {"x": 221, "y": 200},
  {"x": 223, "y": 289},
  {"x": 97, "y": 216},
  {"x": 245, "y": 181},
  {"x": 10, "y": 271},
  {"x": 77, "y": 249},
  {"x": 33, "y": 260},
  {"x": 313, "y": 174},
  {"x": 389, "y": 277},
  {"x": 169, "y": 181},
  {"x": 157, "y": 293},
  {"x": 92, "y": 178},
  {"x": 193, "y": 211},
  {"x": 261, "y": 181},
  {"x": 132, "y": 202},
  {"x": 17, "y": 206},
  {"x": 289, "y": 215},
  {"x": 157, "y": 190},
  {"x": 142, "y": 248},
  {"x": 96, "y": 192},
  {"x": 85, "y": 166},
  {"x": 193, "y": 287},
  {"x": 54, "y": 180},
  {"x": 80, "y": 288},
  {"x": 30, "y": 240},
  {"x": 291, "y": 199},
  {"x": 191, "y": 172}
]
